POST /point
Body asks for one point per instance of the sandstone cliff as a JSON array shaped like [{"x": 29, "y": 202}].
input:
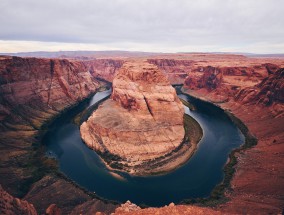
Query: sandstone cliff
[
  {"x": 104, "y": 68},
  {"x": 262, "y": 164},
  {"x": 131, "y": 209},
  {"x": 32, "y": 92},
  {"x": 268, "y": 92},
  {"x": 210, "y": 80},
  {"x": 222, "y": 76},
  {"x": 12, "y": 205},
  {"x": 143, "y": 120},
  {"x": 223, "y": 83},
  {"x": 175, "y": 70},
  {"x": 233, "y": 67}
]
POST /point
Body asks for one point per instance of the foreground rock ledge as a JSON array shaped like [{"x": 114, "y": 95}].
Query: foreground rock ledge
[{"x": 142, "y": 121}]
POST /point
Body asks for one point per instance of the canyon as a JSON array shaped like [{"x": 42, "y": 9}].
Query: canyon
[{"x": 33, "y": 91}]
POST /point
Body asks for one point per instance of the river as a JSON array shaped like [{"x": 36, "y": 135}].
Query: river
[{"x": 196, "y": 178}]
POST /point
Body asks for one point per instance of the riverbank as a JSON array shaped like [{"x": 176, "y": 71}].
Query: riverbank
[
  {"x": 167, "y": 163},
  {"x": 24, "y": 161},
  {"x": 254, "y": 171},
  {"x": 218, "y": 193},
  {"x": 66, "y": 143},
  {"x": 52, "y": 185},
  {"x": 261, "y": 163}
]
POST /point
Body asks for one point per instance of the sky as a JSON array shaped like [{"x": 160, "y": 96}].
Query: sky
[{"x": 254, "y": 26}]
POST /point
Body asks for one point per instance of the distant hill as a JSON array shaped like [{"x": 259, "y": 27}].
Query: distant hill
[
  {"x": 82, "y": 54},
  {"x": 85, "y": 55},
  {"x": 239, "y": 53}
]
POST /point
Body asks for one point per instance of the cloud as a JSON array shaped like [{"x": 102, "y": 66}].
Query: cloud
[{"x": 160, "y": 24}]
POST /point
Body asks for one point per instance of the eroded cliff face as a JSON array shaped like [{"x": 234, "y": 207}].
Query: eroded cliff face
[
  {"x": 175, "y": 70},
  {"x": 262, "y": 164},
  {"x": 251, "y": 89},
  {"x": 255, "y": 95},
  {"x": 268, "y": 92},
  {"x": 141, "y": 88},
  {"x": 104, "y": 68},
  {"x": 143, "y": 120},
  {"x": 224, "y": 83},
  {"x": 12, "y": 205},
  {"x": 131, "y": 209},
  {"x": 211, "y": 79},
  {"x": 29, "y": 84},
  {"x": 257, "y": 85},
  {"x": 219, "y": 76},
  {"x": 32, "y": 92}
]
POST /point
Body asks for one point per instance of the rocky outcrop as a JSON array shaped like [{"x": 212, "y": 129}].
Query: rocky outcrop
[
  {"x": 94, "y": 206},
  {"x": 127, "y": 207},
  {"x": 210, "y": 80},
  {"x": 268, "y": 92},
  {"x": 171, "y": 209},
  {"x": 271, "y": 68},
  {"x": 195, "y": 66},
  {"x": 222, "y": 76},
  {"x": 53, "y": 210},
  {"x": 67, "y": 197},
  {"x": 104, "y": 68},
  {"x": 142, "y": 121},
  {"x": 223, "y": 83},
  {"x": 12, "y": 205},
  {"x": 175, "y": 70},
  {"x": 42, "y": 84}
]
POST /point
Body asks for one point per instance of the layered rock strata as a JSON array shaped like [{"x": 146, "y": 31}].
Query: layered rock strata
[
  {"x": 220, "y": 77},
  {"x": 142, "y": 121},
  {"x": 103, "y": 68},
  {"x": 262, "y": 164},
  {"x": 32, "y": 92},
  {"x": 12, "y": 205},
  {"x": 268, "y": 92}
]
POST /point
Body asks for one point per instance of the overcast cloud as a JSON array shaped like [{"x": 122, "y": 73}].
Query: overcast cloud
[{"x": 145, "y": 25}]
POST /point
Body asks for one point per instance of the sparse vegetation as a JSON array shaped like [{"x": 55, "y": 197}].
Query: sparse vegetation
[{"x": 38, "y": 165}]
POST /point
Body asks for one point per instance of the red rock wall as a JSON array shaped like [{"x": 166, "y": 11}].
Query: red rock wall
[
  {"x": 268, "y": 92},
  {"x": 104, "y": 68},
  {"x": 32, "y": 91},
  {"x": 12, "y": 205}
]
